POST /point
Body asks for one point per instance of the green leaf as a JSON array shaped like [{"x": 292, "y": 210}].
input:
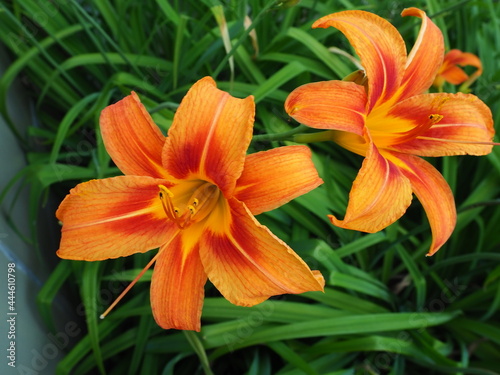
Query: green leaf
[
  {"x": 89, "y": 291},
  {"x": 220, "y": 334}
]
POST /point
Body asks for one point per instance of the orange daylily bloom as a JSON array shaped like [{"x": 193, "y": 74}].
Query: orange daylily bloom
[
  {"x": 194, "y": 195},
  {"x": 450, "y": 72},
  {"x": 391, "y": 122}
]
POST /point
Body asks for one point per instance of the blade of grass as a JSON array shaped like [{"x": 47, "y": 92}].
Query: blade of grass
[
  {"x": 89, "y": 292},
  {"x": 198, "y": 348}
]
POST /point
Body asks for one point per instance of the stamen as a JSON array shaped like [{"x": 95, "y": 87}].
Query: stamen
[
  {"x": 166, "y": 201},
  {"x": 460, "y": 141},
  {"x": 203, "y": 200},
  {"x": 436, "y": 105},
  {"x": 125, "y": 291},
  {"x": 168, "y": 205},
  {"x": 419, "y": 129}
]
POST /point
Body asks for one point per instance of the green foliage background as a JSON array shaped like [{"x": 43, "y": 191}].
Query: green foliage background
[{"x": 387, "y": 309}]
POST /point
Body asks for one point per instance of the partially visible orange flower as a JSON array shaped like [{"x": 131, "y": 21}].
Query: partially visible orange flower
[
  {"x": 194, "y": 195},
  {"x": 450, "y": 72},
  {"x": 390, "y": 121}
]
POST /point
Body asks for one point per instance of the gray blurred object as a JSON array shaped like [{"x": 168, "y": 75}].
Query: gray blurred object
[{"x": 37, "y": 350}]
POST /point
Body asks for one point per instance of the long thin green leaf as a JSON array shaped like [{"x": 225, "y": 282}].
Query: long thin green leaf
[
  {"x": 89, "y": 296},
  {"x": 198, "y": 348},
  {"x": 348, "y": 325},
  {"x": 66, "y": 122}
]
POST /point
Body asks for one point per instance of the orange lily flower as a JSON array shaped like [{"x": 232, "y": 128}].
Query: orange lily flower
[
  {"x": 391, "y": 122},
  {"x": 194, "y": 195},
  {"x": 450, "y": 72}
]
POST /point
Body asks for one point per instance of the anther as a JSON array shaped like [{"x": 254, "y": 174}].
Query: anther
[{"x": 435, "y": 118}]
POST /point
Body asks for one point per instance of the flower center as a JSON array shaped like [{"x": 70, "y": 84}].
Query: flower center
[{"x": 197, "y": 207}]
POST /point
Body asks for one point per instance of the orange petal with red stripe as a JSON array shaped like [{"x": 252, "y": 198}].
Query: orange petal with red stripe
[
  {"x": 275, "y": 177},
  {"x": 379, "y": 196},
  {"x": 132, "y": 139},
  {"x": 378, "y": 44},
  {"x": 336, "y": 105},
  {"x": 452, "y": 73},
  {"x": 434, "y": 193},
  {"x": 177, "y": 286},
  {"x": 111, "y": 218},
  {"x": 424, "y": 59},
  {"x": 466, "y": 122},
  {"x": 209, "y": 136},
  {"x": 248, "y": 264}
]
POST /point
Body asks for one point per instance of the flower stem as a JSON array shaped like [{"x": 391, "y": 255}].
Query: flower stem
[
  {"x": 285, "y": 136},
  {"x": 313, "y": 137}
]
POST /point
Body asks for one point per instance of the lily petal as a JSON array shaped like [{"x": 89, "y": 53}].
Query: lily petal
[
  {"x": 434, "y": 193},
  {"x": 457, "y": 57},
  {"x": 132, "y": 139},
  {"x": 466, "y": 122},
  {"x": 275, "y": 177},
  {"x": 177, "y": 286},
  {"x": 209, "y": 136},
  {"x": 425, "y": 58},
  {"x": 452, "y": 73},
  {"x": 248, "y": 264},
  {"x": 379, "y": 46},
  {"x": 335, "y": 105},
  {"x": 111, "y": 218},
  {"x": 379, "y": 196}
]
